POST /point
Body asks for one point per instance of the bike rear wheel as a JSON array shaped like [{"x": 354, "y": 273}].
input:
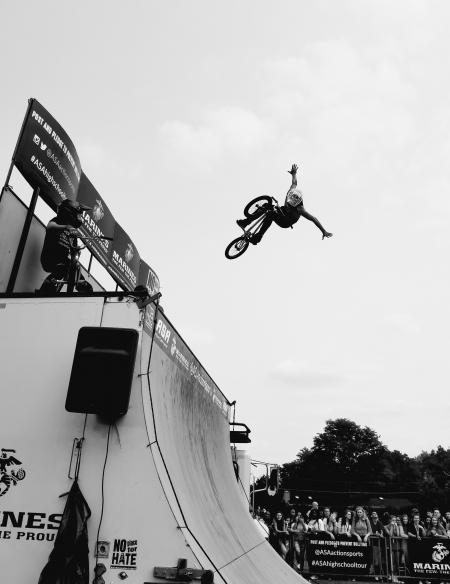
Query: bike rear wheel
[
  {"x": 256, "y": 203},
  {"x": 236, "y": 248}
]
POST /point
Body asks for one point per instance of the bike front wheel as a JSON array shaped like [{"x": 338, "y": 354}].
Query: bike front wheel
[
  {"x": 255, "y": 204},
  {"x": 236, "y": 248}
]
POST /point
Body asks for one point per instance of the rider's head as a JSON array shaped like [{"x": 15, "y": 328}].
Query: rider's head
[{"x": 70, "y": 212}]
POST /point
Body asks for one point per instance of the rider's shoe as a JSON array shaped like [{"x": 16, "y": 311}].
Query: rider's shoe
[
  {"x": 326, "y": 234},
  {"x": 84, "y": 287},
  {"x": 242, "y": 223}
]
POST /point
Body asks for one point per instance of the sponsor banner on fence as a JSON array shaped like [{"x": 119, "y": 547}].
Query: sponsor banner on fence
[
  {"x": 429, "y": 557},
  {"x": 148, "y": 278},
  {"x": 47, "y": 157},
  {"x": 338, "y": 557},
  {"x": 96, "y": 222},
  {"x": 124, "y": 259}
]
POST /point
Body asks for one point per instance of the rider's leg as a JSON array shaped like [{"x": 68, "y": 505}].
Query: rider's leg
[
  {"x": 266, "y": 223},
  {"x": 83, "y": 285},
  {"x": 52, "y": 283},
  {"x": 316, "y": 222},
  {"x": 246, "y": 222}
]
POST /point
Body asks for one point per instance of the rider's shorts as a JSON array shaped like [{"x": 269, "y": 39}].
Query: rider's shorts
[{"x": 284, "y": 217}]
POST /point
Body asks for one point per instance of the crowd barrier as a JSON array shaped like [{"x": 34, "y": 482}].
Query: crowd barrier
[{"x": 389, "y": 559}]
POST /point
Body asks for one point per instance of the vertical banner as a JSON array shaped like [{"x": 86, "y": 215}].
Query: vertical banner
[
  {"x": 124, "y": 260},
  {"x": 96, "y": 222},
  {"x": 429, "y": 558},
  {"x": 148, "y": 278},
  {"x": 47, "y": 158},
  {"x": 338, "y": 557}
]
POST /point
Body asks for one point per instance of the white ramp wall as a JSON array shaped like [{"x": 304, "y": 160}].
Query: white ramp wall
[{"x": 160, "y": 488}]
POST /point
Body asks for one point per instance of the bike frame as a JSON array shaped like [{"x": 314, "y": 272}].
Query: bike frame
[
  {"x": 74, "y": 269},
  {"x": 253, "y": 227}
]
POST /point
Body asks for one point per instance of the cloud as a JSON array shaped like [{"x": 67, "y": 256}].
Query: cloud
[
  {"x": 92, "y": 154},
  {"x": 196, "y": 335},
  {"x": 298, "y": 374},
  {"x": 343, "y": 97},
  {"x": 403, "y": 322},
  {"x": 225, "y": 131}
]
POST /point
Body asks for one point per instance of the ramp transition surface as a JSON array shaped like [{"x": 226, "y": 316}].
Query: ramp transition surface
[{"x": 190, "y": 419}]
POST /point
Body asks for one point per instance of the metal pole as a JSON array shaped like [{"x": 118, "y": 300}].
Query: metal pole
[
  {"x": 11, "y": 166},
  {"x": 23, "y": 241}
]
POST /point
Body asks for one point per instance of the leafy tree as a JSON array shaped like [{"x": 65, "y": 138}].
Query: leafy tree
[
  {"x": 351, "y": 460},
  {"x": 434, "y": 470},
  {"x": 344, "y": 452}
]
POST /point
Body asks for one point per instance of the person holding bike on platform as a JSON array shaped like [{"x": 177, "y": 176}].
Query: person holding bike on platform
[
  {"x": 286, "y": 215},
  {"x": 59, "y": 244}
]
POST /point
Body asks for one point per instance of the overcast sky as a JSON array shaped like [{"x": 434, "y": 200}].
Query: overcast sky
[{"x": 181, "y": 111}]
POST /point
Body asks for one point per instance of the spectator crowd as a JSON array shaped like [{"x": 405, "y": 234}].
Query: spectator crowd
[{"x": 289, "y": 532}]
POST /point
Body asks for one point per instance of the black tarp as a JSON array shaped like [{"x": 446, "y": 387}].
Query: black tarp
[{"x": 69, "y": 560}]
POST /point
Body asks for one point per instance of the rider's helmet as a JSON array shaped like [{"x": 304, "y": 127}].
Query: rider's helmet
[{"x": 70, "y": 212}]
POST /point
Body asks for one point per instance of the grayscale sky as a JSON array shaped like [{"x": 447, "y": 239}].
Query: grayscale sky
[{"x": 181, "y": 111}]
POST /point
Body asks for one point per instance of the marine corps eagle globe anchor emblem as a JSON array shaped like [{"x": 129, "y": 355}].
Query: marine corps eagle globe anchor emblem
[
  {"x": 10, "y": 470},
  {"x": 440, "y": 551}
]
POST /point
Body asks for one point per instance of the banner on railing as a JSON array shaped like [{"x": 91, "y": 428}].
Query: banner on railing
[
  {"x": 338, "y": 557},
  {"x": 429, "y": 558},
  {"x": 148, "y": 278},
  {"x": 124, "y": 264},
  {"x": 97, "y": 222},
  {"x": 46, "y": 157}
]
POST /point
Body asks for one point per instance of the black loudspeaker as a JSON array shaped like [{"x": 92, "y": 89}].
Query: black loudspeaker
[{"x": 102, "y": 372}]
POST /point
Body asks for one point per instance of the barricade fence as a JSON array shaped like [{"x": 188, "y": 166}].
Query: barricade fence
[{"x": 393, "y": 559}]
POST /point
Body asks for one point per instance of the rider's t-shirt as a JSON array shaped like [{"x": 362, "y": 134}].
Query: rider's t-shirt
[{"x": 56, "y": 248}]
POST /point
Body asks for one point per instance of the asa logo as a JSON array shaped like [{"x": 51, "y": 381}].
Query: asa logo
[
  {"x": 10, "y": 470},
  {"x": 98, "y": 212},
  {"x": 129, "y": 253},
  {"x": 440, "y": 551}
]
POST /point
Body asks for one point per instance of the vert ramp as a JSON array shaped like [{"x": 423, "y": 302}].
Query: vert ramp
[
  {"x": 190, "y": 436},
  {"x": 160, "y": 483}
]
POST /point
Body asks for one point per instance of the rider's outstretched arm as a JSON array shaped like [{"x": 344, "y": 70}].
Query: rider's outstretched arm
[
  {"x": 293, "y": 173},
  {"x": 53, "y": 226},
  {"x": 316, "y": 222}
]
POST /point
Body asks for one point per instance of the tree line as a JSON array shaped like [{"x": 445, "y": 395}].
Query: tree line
[{"x": 348, "y": 464}]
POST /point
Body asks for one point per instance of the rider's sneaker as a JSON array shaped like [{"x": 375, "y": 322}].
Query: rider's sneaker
[
  {"x": 242, "y": 223},
  {"x": 255, "y": 238},
  {"x": 326, "y": 234},
  {"x": 84, "y": 287}
]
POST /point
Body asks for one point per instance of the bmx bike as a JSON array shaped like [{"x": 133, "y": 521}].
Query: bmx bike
[
  {"x": 72, "y": 277},
  {"x": 253, "y": 209}
]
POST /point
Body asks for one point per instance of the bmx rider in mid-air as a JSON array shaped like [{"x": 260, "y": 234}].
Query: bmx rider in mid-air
[{"x": 286, "y": 215}]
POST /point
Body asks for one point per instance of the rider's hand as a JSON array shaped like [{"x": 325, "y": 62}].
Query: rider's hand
[
  {"x": 73, "y": 231},
  {"x": 293, "y": 170}
]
